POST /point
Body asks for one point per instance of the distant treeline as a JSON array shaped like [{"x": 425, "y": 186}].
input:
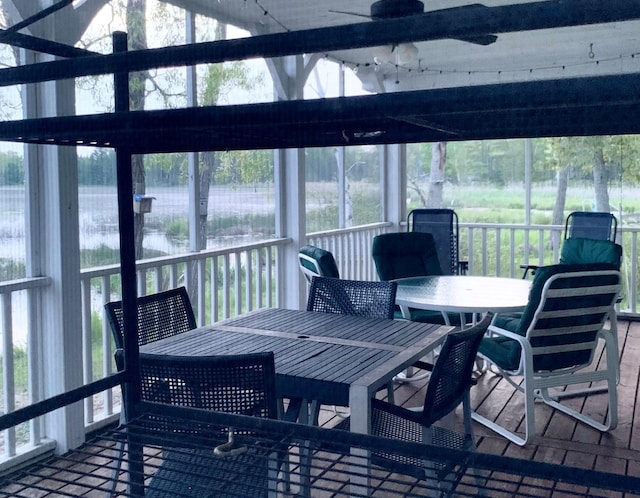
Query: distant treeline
[{"x": 99, "y": 168}]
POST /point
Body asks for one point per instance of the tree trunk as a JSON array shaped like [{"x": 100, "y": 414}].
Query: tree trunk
[
  {"x": 600, "y": 182},
  {"x": 208, "y": 164},
  {"x": 558, "y": 209},
  {"x": 137, "y": 29},
  {"x": 436, "y": 175},
  {"x": 209, "y": 161}
]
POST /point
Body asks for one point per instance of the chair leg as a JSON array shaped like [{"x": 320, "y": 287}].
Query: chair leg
[
  {"x": 529, "y": 417},
  {"x": 116, "y": 471}
]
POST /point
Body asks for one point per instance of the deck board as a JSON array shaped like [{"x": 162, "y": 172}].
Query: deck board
[{"x": 561, "y": 439}]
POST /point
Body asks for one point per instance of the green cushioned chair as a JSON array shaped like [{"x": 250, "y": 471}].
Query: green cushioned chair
[
  {"x": 577, "y": 250},
  {"x": 409, "y": 254},
  {"x": 589, "y": 237},
  {"x": 317, "y": 262},
  {"x": 552, "y": 343}
]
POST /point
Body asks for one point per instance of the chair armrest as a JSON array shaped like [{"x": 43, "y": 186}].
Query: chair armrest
[
  {"x": 527, "y": 269},
  {"x": 463, "y": 267},
  {"x": 423, "y": 365},
  {"x": 507, "y": 333},
  {"x": 397, "y": 411},
  {"x": 526, "y": 354}
]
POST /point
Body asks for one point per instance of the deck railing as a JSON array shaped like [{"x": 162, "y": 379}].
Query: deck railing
[{"x": 225, "y": 282}]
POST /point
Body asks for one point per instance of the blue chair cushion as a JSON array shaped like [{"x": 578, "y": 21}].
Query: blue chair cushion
[
  {"x": 505, "y": 352},
  {"x": 326, "y": 261},
  {"x": 587, "y": 251}
]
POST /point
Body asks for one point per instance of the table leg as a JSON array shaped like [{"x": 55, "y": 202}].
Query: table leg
[
  {"x": 360, "y": 406},
  {"x": 308, "y": 414}
]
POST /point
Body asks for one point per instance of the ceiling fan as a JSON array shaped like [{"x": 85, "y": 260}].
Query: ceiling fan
[{"x": 393, "y": 9}]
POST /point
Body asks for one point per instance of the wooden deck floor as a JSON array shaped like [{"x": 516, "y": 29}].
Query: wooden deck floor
[{"x": 561, "y": 440}]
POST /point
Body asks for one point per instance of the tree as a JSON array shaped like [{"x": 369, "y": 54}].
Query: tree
[
  {"x": 164, "y": 24},
  {"x": 436, "y": 176},
  {"x": 218, "y": 80},
  {"x": 599, "y": 155},
  {"x": 137, "y": 29}
]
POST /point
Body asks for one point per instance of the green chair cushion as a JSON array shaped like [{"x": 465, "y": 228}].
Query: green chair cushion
[
  {"x": 326, "y": 261},
  {"x": 428, "y": 316},
  {"x": 505, "y": 352},
  {"x": 587, "y": 251},
  {"x": 405, "y": 254}
]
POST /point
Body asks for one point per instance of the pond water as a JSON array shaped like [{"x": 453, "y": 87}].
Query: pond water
[
  {"x": 98, "y": 224},
  {"x": 98, "y": 219}
]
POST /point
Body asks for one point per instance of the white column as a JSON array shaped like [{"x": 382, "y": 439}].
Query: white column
[
  {"x": 393, "y": 167},
  {"x": 289, "y": 75},
  {"x": 53, "y": 245}
]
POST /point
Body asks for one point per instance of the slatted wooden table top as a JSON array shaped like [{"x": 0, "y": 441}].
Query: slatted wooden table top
[{"x": 317, "y": 355}]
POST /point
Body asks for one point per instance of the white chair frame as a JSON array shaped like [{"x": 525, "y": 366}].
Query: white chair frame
[{"x": 536, "y": 385}]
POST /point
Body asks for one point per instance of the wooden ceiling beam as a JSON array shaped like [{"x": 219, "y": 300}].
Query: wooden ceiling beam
[
  {"x": 572, "y": 107},
  {"x": 467, "y": 21}
]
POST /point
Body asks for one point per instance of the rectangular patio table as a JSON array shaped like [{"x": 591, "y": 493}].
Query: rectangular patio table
[{"x": 330, "y": 358}]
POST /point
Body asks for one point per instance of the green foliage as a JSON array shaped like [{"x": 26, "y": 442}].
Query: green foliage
[
  {"x": 320, "y": 164},
  {"x": 366, "y": 203},
  {"x": 97, "y": 169},
  {"x": 166, "y": 169},
  {"x": 102, "y": 255},
  {"x": 10, "y": 269},
  {"x": 11, "y": 169},
  {"x": 176, "y": 228},
  {"x": 221, "y": 226},
  {"x": 245, "y": 167},
  {"x": 325, "y": 218}
]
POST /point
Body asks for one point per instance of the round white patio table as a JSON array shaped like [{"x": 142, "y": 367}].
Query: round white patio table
[{"x": 462, "y": 294}]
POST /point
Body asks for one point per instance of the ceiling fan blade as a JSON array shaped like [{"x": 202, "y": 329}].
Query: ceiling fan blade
[
  {"x": 350, "y": 13},
  {"x": 478, "y": 40}
]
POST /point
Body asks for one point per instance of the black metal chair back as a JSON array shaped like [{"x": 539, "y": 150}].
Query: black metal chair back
[
  {"x": 452, "y": 375},
  {"x": 591, "y": 225},
  {"x": 160, "y": 315},
  {"x": 236, "y": 384},
  {"x": 352, "y": 297},
  {"x": 443, "y": 225}
]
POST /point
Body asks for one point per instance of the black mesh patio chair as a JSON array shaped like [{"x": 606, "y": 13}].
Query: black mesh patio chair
[
  {"x": 552, "y": 345},
  {"x": 317, "y": 262},
  {"x": 238, "y": 384},
  {"x": 160, "y": 315},
  {"x": 449, "y": 386},
  {"x": 352, "y": 297},
  {"x": 443, "y": 225}
]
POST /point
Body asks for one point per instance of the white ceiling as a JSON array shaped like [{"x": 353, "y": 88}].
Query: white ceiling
[{"x": 593, "y": 50}]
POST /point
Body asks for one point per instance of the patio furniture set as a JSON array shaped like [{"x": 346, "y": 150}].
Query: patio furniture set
[{"x": 227, "y": 409}]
